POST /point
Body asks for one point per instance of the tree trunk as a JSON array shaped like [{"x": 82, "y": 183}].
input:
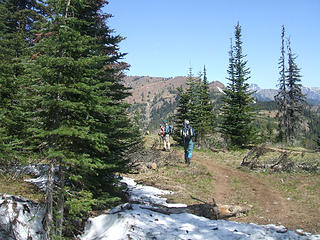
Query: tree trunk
[
  {"x": 67, "y": 8},
  {"x": 60, "y": 202},
  {"x": 48, "y": 221}
]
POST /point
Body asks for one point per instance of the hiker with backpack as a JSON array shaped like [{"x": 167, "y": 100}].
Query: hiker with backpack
[
  {"x": 161, "y": 134},
  {"x": 166, "y": 138},
  {"x": 187, "y": 134}
]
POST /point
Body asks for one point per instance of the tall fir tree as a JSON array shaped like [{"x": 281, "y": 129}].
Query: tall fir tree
[
  {"x": 296, "y": 99},
  {"x": 79, "y": 119},
  {"x": 206, "y": 102},
  {"x": 18, "y": 20},
  {"x": 289, "y": 99},
  {"x": 192, "y": 92},
  {"x": 185, "y": 104},
  {"x": 195, "y": 105},
  {"x": 181, "y": 113},
  {"x": 281, "y": 96},
  {"x": 205, "y": 115},
  {"x": 237, "y": 111}
]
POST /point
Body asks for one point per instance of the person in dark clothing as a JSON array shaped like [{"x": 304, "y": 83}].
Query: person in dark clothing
[{"x": 187, "y": 134}]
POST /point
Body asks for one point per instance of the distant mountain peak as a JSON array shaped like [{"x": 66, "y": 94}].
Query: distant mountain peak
[{"x": 254, "y": 87}]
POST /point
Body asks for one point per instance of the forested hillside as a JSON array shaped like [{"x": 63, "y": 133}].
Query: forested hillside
[{"x": 154, "y": 99}]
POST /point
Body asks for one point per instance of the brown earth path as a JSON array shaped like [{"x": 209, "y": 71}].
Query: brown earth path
[{"x": 270, "y": 206}]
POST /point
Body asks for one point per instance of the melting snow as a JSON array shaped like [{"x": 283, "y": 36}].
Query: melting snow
[
  {"x": 136, "y": 221},
  {"x": 20, "y": 218}
]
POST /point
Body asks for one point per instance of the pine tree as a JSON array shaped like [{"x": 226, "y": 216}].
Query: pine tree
[
  {"x": 205, "y": 115},
  {"x": 281, "y": 96},
  {"x": 79, "y": 119},
  {"x": 192, "y": 93},
  {"x": 184, "y": 106},
  {"x": 206, "y": 103},
  {"x": 289, "y": 98},
  {"x": 296, "y": 100},
  {"x": 17, "y": 21},
  {"x": 237, "y": 112},
  {"x": 195, "y": 105},
  {"x": 181, "y": 113}
]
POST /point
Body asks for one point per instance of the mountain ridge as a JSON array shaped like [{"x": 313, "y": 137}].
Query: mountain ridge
[
  {"x": 312, "y": 93},
  {"x": 155, "y": 98}
]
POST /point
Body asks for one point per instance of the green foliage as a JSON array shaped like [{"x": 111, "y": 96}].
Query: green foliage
[
  {"x": 18, "y": 20},
  {"x": 206, "y": 116},
  {"x": 265, "y": 105},
  {"x": 80, "y": 205},
  {"x": 238, "y": 112},
  {"x": 158, "y": 114},
  {"x": 62, "y": 99},
  {"x": 296, "y": 100},
  {"x": 195, "y": 105},
  {"x": 309, "y": 135}
]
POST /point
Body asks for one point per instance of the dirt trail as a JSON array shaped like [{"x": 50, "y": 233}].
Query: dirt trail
[{"x": 269, "y": 205}]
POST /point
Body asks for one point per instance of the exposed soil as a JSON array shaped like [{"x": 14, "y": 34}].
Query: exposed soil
[{"x": 270, "y": 205}]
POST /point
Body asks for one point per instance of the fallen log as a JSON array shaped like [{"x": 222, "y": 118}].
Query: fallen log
[
  {"x": 209, "y": 210},
  {"x": 217, "y": 149}
]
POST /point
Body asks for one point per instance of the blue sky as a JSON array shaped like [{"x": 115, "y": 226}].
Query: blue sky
[{"x": 166, "y": 37}]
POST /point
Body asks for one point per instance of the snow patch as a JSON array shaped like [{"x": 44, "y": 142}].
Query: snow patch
[
  {"x": 146, "y": 194},
  {"x": 220, "y": 90},
  {"x": 136, "y": 221},
  {"x": 20, "y": 218},
  {"x": 40, "y": 182}
]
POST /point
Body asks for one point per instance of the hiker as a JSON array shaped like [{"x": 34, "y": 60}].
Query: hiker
[
  {"x": 187, "y": 133},
  {"x": 166, "y": 137},
  {"x": 161, "y": 134}
]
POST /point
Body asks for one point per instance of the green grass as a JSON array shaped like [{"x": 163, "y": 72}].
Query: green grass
[
  {"x": 193, "y": 180},
  {"x": 303, "y": 188},
  {"x": 13, "y": 185},
  {"x": 183, "y": 180},
  {"x": 239, "y": 195}
]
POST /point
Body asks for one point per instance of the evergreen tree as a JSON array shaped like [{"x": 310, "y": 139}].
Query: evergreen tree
[
  {"x": 206, "y": 103},
  {"x": 289, "y": 98},
  {"x": 79, "y": 119},
  {"x": 205, "y": 114},
  {"x": 237, "y": 112},
  {"x": 281, "y": 96},
  {"x": 181, "y": 113},
  {"x": 18, "y": 20},
  {"x": 195, "y": 105},
  {"x": 192, "y": 93},
  {"x": 296, "y": 100},
  {"x": 184, "y": 106}
]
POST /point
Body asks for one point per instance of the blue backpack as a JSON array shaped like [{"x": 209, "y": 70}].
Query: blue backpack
[{"x": 169, "y": 129}]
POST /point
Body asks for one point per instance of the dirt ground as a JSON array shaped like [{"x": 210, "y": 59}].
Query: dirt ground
[
  {"x": 235, "y": 186},
  {"x": 270, "y": 205}
]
